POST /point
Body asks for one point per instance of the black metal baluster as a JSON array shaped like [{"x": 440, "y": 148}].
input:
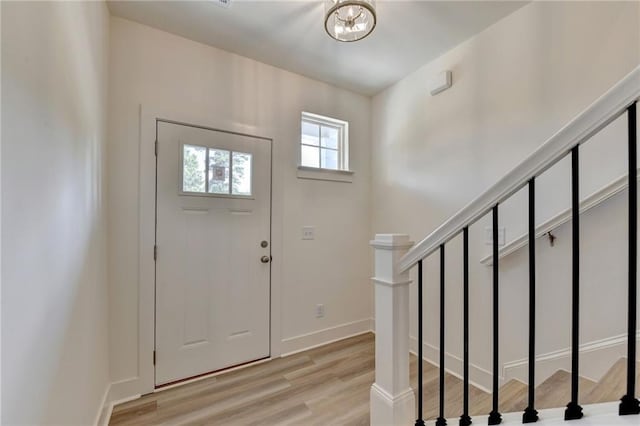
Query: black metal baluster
[
  {"x": 630, "y": 404},
  {"x": 465, "y": 420},
  {"x": 494, "y": 417},
  {"x": 419, "y": 421},
  {"x": 441, "y": 420},
  {"x": 574, "y": 410},
  {"x": 530, "y": 414}
]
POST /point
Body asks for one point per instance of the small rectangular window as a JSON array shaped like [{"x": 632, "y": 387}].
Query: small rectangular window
[
  {"x": 216, "y": 171},
  {"x": 241, "y": 173},
  {"x": 219, "y": 172},
  {"x": 324, "y": 142},
  {"x": 193, "y": 168}
]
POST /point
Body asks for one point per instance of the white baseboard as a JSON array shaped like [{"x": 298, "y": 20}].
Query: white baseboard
[
  {"x": 308, "y": 341},
  {"x": 102, "y": 414},
  {"x": 596, "y": 358},
  {"x": 124, "y": 389},
  {"x": 115, "y": 393},
  {"x": 478, "y": 376},
  {"x": 108, "y": 410},
  {"x": 109, "y": 400}
]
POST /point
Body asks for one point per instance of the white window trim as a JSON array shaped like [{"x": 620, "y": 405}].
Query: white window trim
[
  {"x": 316, "y": 173},
  {"x": 343, "y": 174}
]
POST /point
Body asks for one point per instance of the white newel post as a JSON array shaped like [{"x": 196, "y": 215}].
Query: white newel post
[{"x": 392, "y": 399}]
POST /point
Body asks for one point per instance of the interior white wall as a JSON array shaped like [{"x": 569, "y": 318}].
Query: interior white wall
[
  {"x": 0, "y": 216},
  {"x": 514, "y": 85},
  {"x": 54, "y": 289},
  {"x": 163, "y": 72}
]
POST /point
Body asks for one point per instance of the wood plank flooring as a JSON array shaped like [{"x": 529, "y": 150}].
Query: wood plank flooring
[
  {"x": 327, "y": 385},
  {"x": 330, "y": 385}
]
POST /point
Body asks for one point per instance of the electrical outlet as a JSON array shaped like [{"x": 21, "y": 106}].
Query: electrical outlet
[
  {"x": 320, "y": 311},
  {"x": 488, "y": 236},
  {"x": 308, "y": 233}
]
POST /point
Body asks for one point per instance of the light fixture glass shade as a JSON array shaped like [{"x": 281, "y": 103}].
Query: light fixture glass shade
[{"x": 349, "y": 20}]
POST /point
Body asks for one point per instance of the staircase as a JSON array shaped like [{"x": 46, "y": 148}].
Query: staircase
[
  {"x": 612, "y": 384},
  {"x": 451, "y": 399},
  {"x": 552, "y": 393}
]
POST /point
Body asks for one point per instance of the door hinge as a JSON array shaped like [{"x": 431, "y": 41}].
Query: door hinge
[
  {"x": 155, "y": 252},
  {"x": 154, "y": 357},
  {"x": 155, "y": 149}
]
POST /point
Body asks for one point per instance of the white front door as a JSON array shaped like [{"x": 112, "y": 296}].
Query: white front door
[{"x": 213, "y": 250}]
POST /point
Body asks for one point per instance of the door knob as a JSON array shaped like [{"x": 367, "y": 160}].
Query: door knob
[{"x": 265, "y": 259}]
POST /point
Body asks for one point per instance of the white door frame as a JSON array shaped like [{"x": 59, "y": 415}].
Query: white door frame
[{"x": 145, "y": 382}]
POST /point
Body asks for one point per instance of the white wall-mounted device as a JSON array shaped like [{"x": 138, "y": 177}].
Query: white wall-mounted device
[{"x": 440, "y": 82}]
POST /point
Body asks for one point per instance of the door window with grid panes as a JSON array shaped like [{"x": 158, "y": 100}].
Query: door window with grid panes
[{"x": 215, "y": 172}]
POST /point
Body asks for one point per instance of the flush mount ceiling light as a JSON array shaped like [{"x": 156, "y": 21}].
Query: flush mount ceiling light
[
  {"x": 349, "y": 20},
  {"x": 222, "y": 3}
]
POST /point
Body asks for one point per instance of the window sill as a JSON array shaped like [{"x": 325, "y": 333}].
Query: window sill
[{"x": 325, "y": 174}]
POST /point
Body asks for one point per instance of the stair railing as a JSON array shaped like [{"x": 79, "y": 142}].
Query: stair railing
[{"x": 392, "y": 400}]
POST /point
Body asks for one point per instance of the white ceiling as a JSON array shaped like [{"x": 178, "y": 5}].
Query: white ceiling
[{"x": 290, "y": 34}]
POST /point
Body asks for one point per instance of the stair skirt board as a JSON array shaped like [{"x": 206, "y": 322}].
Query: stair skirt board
[
  {"x": 596, "y": 358},
  {"x": 478, "y": 376},
  {"x": 551, "y": 395}
]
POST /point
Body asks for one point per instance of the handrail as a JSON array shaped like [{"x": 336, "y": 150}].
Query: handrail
[
  {"x": 594, "y": 200},
  {"x": 598, "y": 115}
]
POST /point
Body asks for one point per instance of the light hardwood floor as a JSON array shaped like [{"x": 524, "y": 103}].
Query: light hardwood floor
[
  {"x": 326, "y": 385},
  {"x": 330, "y": 385}
]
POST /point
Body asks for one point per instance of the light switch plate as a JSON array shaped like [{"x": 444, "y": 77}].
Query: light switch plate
[
  {"x": 488, "y": 236},
  {"x": 308, "y": 232}
]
